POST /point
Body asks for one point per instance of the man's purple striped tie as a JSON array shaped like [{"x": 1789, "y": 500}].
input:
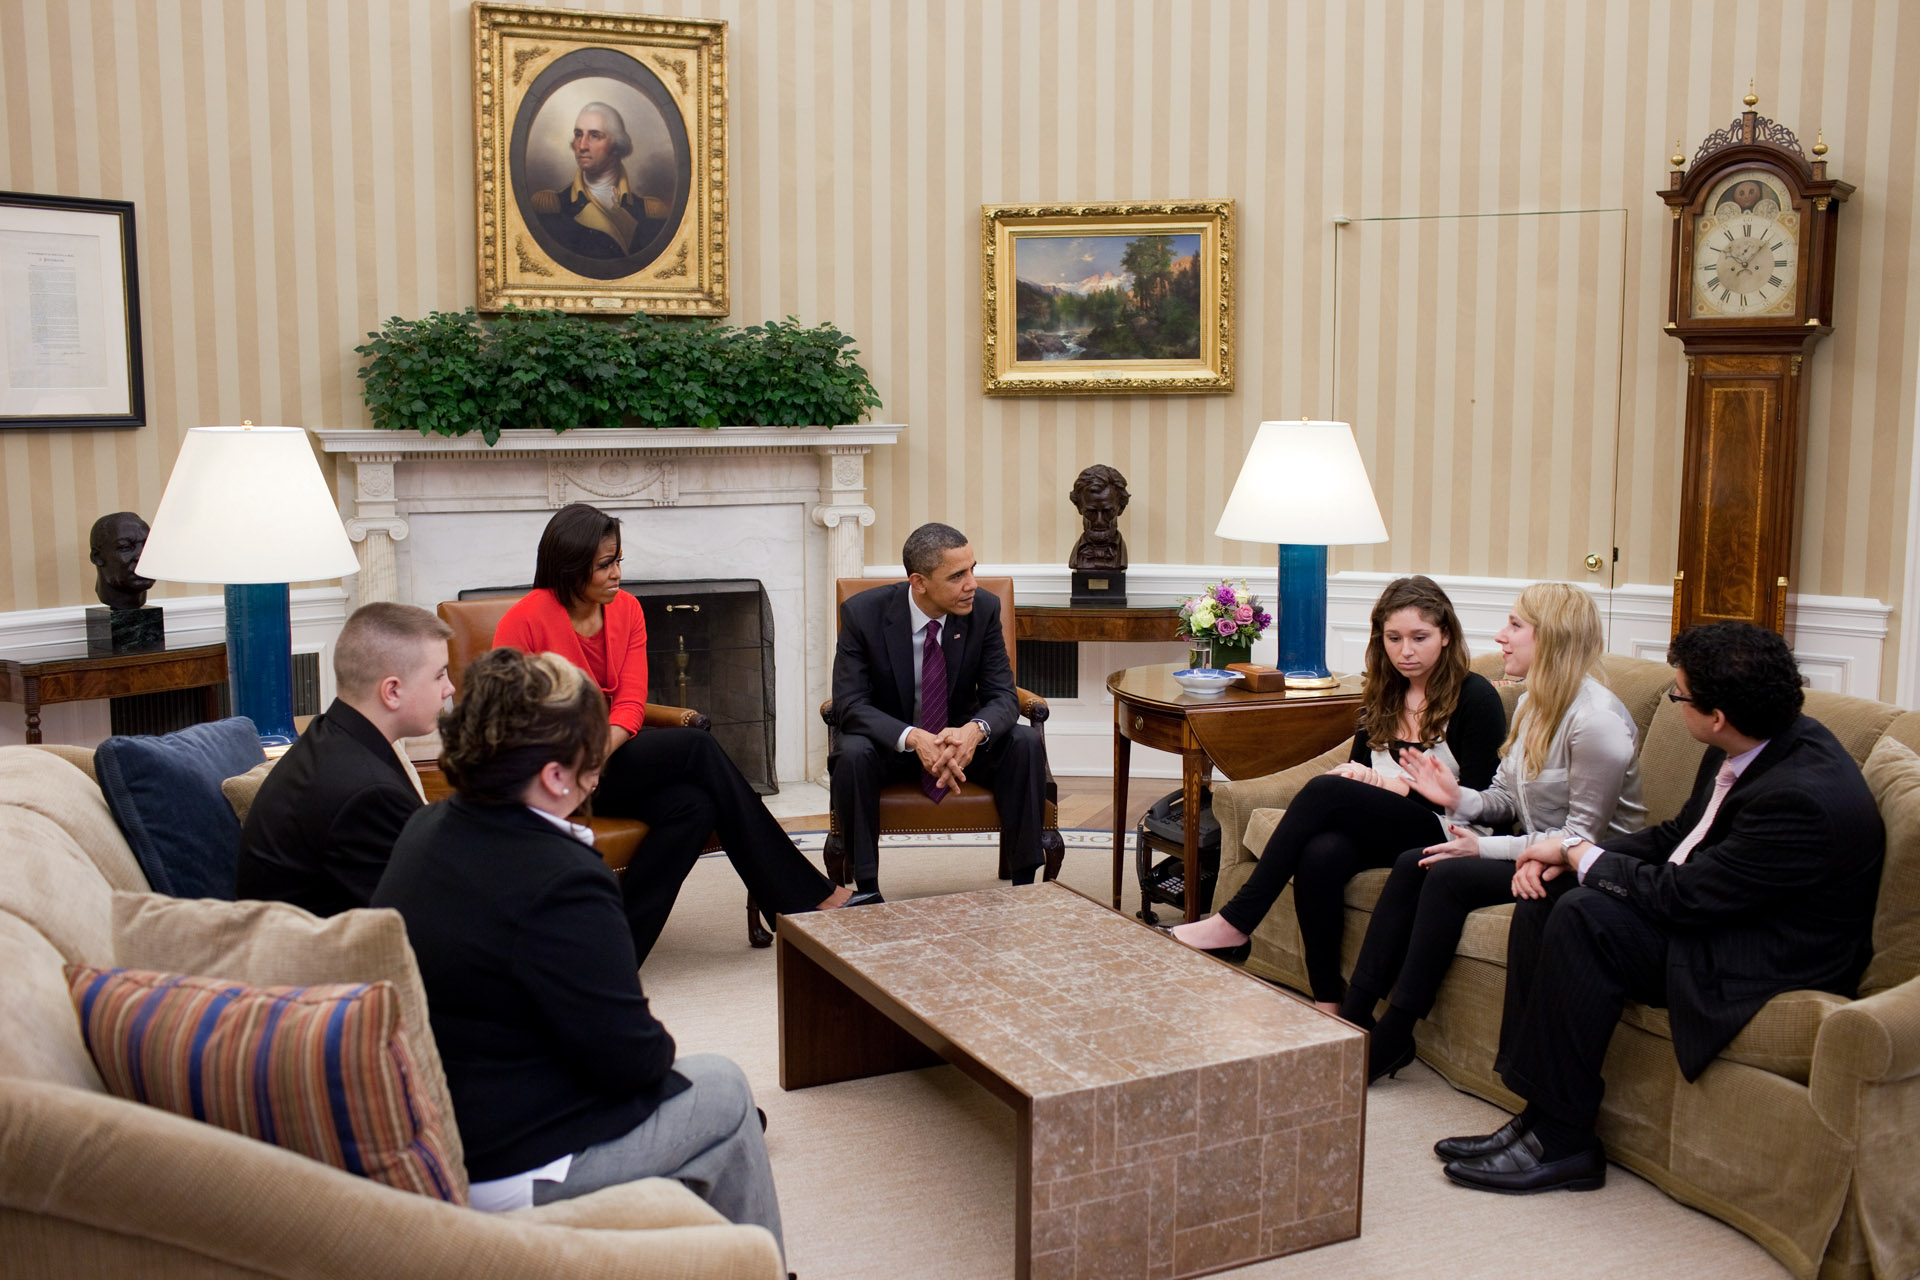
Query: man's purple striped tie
[{"x": 933, "y": 701}]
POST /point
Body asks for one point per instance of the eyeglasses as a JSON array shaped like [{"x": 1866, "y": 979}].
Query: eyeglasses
[{"x": 1677, "y": 697}]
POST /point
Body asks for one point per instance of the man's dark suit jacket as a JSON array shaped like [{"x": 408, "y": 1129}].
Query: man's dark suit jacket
[
  {"x": 1778, "y": 897},
  {"x": 323, "y": 824},
  {"x": 873, "y": 686}
]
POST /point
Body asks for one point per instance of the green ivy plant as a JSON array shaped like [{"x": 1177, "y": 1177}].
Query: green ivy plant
[{"x": 453, "y": 373}]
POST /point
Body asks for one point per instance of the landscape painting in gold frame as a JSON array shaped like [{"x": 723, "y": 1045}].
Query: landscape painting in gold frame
[
  {"x": 1108, "y": 299},
  {"x": 601, "y": 161}
]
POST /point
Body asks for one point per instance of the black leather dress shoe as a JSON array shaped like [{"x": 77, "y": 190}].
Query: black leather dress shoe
[
  {"x": 866, "y": 899},
  {"x": 1468, "y": 1148},
  {"x": 1521, "y": 1169}
]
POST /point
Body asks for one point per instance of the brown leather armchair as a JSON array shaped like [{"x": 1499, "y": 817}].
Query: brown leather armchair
[
  {"x": 906, "y": 808},
  {"x": 615, "y": 839}
]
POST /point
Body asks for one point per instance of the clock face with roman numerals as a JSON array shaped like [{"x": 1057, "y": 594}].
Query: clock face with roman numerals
[{"x": 1746, "y": 249}]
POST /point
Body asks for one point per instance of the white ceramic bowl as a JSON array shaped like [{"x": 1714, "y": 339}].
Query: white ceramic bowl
[{"x": 1205, "y": 682}]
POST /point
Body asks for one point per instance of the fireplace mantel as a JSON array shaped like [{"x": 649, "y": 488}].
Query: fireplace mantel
[{"x": 433, "y": 515}]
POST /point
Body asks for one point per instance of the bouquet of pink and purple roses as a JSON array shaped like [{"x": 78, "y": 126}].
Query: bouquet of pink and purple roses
[{"x": 1224, "y": 613}]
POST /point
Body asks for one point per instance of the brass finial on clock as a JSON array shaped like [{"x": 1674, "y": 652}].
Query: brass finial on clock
[
  {"x": 1820, "y": 143},
  {"x": 1752, "y": 100},
  {"x": 1679, "y": 157}
]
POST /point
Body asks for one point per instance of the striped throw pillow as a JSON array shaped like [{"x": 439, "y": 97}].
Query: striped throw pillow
[{"x": 322, "y": 1070}]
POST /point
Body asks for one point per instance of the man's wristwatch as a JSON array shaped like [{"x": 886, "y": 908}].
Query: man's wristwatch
[{"x": 986, "y": 730}]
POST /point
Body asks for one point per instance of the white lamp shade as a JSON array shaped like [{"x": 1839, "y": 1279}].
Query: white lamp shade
[
  {"x": 246, "y": 505},
  {"x": 1303, "y": 482}
]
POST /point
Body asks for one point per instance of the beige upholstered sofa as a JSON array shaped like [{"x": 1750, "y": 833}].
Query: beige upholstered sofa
[
  {"x": 1803, "y": 1134},
  {"x": 92, "y": 1185}
]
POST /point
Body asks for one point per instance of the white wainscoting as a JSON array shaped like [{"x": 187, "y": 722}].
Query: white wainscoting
[
  {"x": 318, "y": 614},
  {"x": 1840, "y": 641}
]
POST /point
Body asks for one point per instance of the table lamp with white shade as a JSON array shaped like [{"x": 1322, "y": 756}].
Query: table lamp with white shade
[
  {"x": 247, "y": 507},
  {"x": 1303, "y": 486}
]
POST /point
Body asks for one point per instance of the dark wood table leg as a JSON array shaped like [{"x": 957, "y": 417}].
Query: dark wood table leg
[
  {"x": 33, "y": 710},
  {"x": 1122, "y": 753},
  {"x": 1194, "y": 767},
  {"x": 828, "y": 1033}
]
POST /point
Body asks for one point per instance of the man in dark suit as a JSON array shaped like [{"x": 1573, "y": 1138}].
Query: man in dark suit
[
  {"x": 323, "y": 824},
  {"x": 923, "y": 690},
  {"x": 1764, "y": 882}
]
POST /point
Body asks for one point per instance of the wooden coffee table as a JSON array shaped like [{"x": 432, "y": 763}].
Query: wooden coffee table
[{"x": 1175, "y": 1115}]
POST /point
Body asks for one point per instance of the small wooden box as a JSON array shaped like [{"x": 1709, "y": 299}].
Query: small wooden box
[{"x": 1258, "y": 679}]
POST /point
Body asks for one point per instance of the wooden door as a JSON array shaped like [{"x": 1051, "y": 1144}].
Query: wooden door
[{"x": 1478, "y": 359}]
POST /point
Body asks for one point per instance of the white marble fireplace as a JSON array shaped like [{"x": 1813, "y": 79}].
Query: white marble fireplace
[{"x": 432, "y": 516}]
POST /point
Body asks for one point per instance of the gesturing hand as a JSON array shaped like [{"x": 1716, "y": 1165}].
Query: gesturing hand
[
  {"x": 1430, "y": 778},
  {"x": 1465, "y": 844}
]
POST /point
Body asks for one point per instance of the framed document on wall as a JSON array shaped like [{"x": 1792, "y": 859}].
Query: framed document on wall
[
  {"x": 602, "y": 149},
  {"x": 69, "y": 313}
]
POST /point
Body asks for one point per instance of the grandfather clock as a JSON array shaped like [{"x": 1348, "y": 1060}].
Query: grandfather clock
[{"x": 1751, "y": 294}]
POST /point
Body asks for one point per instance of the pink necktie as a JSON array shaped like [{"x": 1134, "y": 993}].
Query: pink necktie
[
  {"x": 1722, "y": 783},
  {"x": 933, "y": 701}
]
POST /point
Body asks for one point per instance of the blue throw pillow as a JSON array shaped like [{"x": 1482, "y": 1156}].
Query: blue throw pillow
[{"x": 165, "y": 794}]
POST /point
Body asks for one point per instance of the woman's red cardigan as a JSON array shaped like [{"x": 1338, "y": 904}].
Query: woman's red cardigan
[{"x": 538, "y": 623}]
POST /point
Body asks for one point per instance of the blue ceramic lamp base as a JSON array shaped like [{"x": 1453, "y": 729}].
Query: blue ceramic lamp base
[
  {"x": 260, "y": 659},
  {"x": 1303, "y": 616}
]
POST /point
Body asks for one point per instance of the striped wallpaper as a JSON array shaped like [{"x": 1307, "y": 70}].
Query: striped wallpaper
[{"x": 303, "y": 169}]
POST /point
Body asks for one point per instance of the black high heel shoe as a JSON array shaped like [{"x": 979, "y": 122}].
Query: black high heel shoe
[{"x": 1376, "y": 1068}]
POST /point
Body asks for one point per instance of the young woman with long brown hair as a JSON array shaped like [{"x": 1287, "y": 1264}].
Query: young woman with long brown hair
[
  {"x": 1419, "y": 696},
  {"x": 1568, "y": 771}
]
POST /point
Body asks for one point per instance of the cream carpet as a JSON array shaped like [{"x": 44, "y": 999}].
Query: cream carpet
[{"x": 911, "y": 1175}]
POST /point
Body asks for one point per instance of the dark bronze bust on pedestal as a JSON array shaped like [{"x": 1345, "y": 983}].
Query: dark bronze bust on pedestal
[
  {"x": 1099, "y": 558},
  {"x": 127, "y": 624}
]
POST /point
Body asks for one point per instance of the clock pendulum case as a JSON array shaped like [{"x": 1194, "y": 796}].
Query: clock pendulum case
[{"x": 1750, "y": 295}]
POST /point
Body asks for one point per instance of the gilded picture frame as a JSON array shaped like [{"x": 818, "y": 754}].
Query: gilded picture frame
[
  {"x": 1107, "y": 299},
  {"x": 600, "y": 161}
]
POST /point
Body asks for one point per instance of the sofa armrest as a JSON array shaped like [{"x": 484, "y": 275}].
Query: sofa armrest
[
  {"x": 92, "y": 1182},
  {"x": 1234, "y": 802},
  {"x": 1865, "y": 1086}
]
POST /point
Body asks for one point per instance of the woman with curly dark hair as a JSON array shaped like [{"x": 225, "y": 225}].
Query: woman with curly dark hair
[
  {"x": 1419, "y": 695},
  {"x": 562, "y": 1079}
]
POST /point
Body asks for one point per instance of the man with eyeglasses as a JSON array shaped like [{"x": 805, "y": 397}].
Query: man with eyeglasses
[{"x": 1764, "y": 882}]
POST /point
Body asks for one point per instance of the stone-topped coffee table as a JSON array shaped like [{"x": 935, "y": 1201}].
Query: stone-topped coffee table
[{"x": 1176, "y": 1116}]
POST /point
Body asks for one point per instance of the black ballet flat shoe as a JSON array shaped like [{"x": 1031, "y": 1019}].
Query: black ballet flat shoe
[
  {"x": 1451, "y": 1149},
  {"x": 1234, "y": 954},
  {"x": 1522, "y": 1169},
  {"x": 1404, "y": 1058},
  {"x": 866, "y": 898}
]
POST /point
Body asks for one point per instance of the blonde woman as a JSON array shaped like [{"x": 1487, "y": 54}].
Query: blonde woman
[
  {"x": 1421, "y": 700},
  {"x": 1567, "y": 771}
]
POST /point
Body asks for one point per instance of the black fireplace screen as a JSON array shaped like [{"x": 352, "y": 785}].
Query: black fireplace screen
[{"x": 709, "y": 647}]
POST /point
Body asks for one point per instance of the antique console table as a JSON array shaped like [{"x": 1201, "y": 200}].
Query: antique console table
[
  {"x": 1246, "y": 735},
  {"x": 1084, "y": 625},
  {"x": 69, "y": 673}
]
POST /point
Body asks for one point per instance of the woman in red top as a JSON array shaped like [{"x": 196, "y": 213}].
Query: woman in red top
[{"x": 678, "y": 781}]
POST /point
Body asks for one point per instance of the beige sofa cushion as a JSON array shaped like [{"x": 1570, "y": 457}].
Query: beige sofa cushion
[
  {"x": 243, "y": 787},
  {"x": 1857, "y": 722},
  {"x": 1668, "y": 762},
  {"x": 278, "y": 944},
  {"x": 1893, "y": 774},
  {"x": 47, "y": 881},
  {"x": 32, "y": 778},
  {"x": 39, "y": 1034},
  {"x": 1779, "y": 1039}
]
